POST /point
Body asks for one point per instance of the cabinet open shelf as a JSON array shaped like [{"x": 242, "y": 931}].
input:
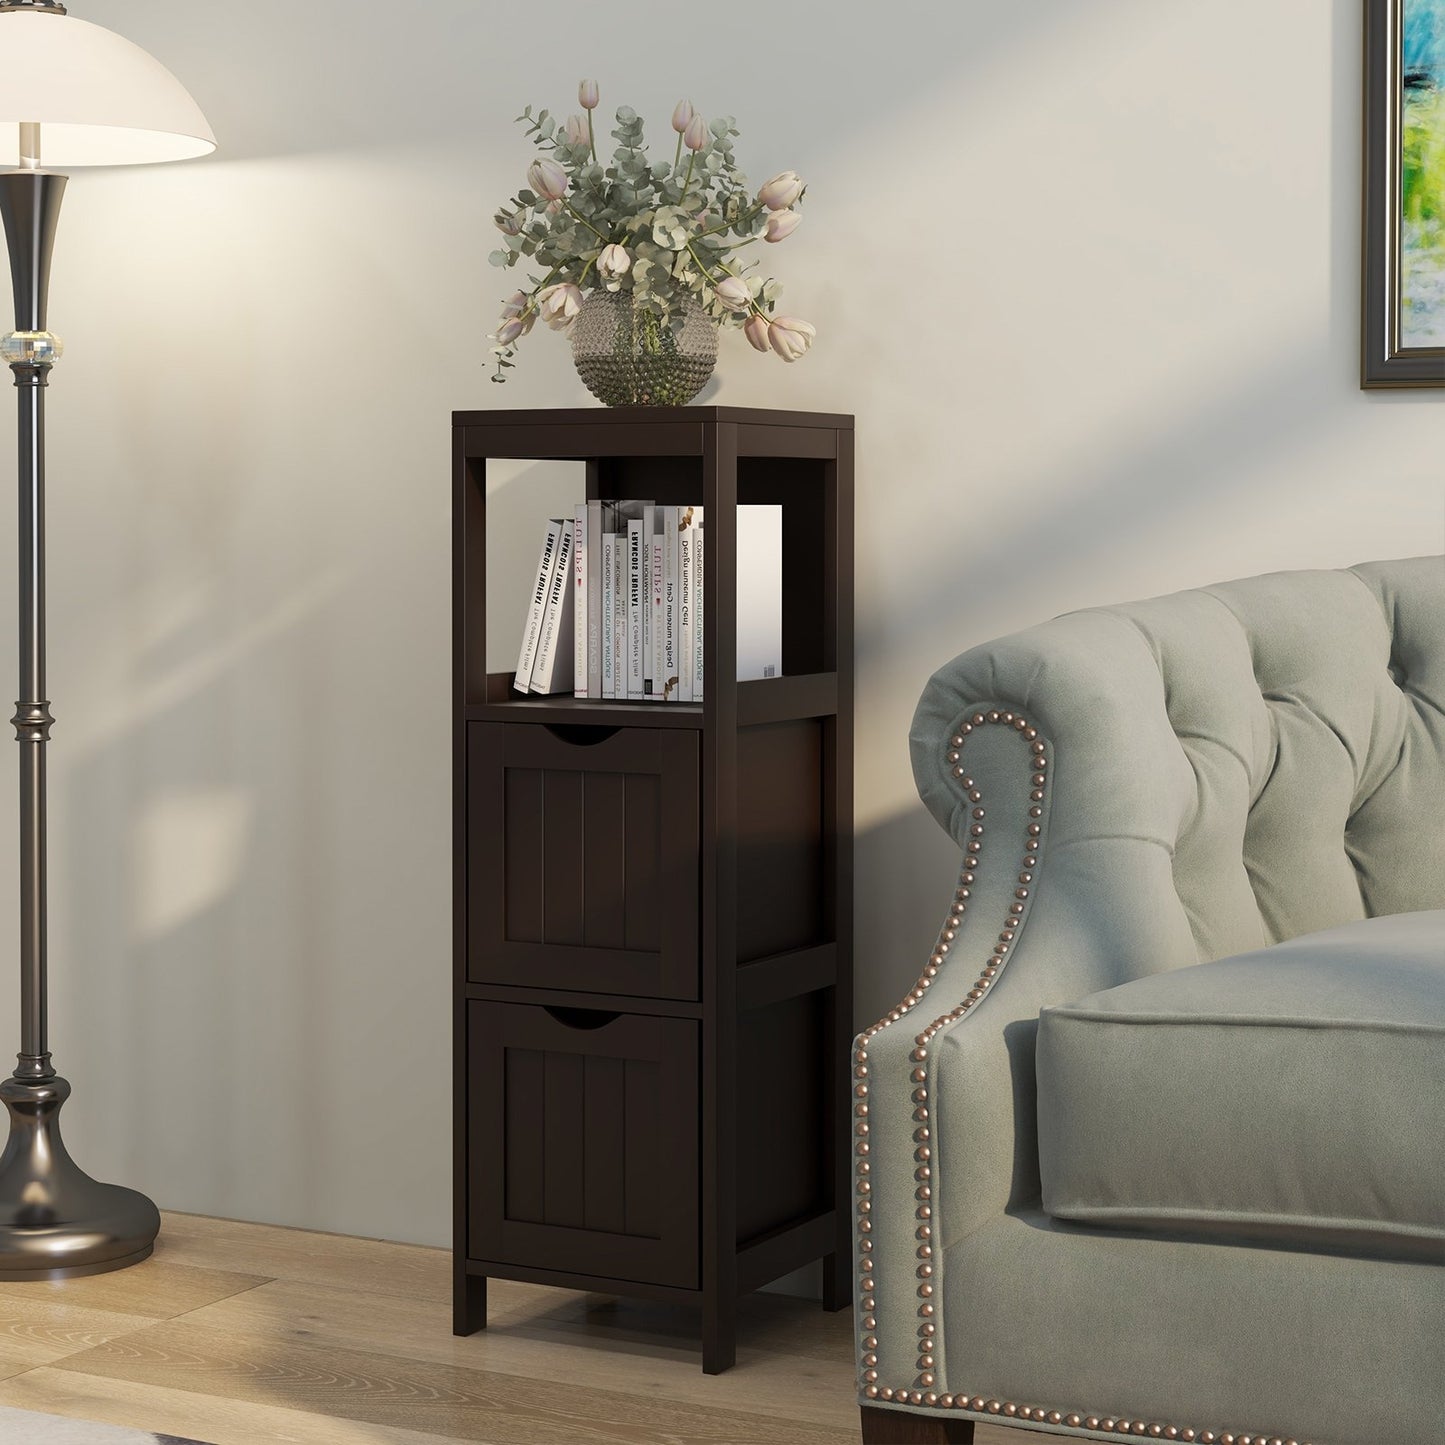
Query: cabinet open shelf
[{"x": 653, "y": 901}]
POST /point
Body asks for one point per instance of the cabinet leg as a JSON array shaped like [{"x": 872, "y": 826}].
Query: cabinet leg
[
  {"x": 837, "y": 1282},
  {"x": 902, "y": 1427},
  {"x": 719, "y": 1336},
  {"x": 469, "y": 1304}
]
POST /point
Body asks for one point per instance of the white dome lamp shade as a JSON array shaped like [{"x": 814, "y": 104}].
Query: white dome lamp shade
[
  {"x": 72, "y": 94},
  {"x": 98, "y": 99}
]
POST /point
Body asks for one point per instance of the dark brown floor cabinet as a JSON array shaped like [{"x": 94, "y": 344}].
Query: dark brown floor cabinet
[{"x": 654, "y": 900}]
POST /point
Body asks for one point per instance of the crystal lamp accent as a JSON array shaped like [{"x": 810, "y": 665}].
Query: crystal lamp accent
[{"x": 33, "y": 348}]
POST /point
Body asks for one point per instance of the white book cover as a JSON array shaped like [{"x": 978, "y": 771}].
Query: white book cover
[
  {"x": 669, "y": 603},
  {"x": 649, "y": 646},
  {"x": 594, "y": 599},
  {"x": 636, "y": 612},
  {"x": 579, "y": 605},
  {"x": 537, "y": 606},
  {"x": 760, "y": 592},
  {"x": 617, "y": 642},
  {"x": 552, "y": 671},
  {"x": 699, "y": 554},
  {"x": 684, "y": 607},
  {"x": 609, "y": 611},
  {"x": 655, "y": 612}
]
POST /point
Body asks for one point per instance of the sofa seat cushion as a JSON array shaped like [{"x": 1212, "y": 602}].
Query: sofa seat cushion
[{"x": 1294, "y": 1095}]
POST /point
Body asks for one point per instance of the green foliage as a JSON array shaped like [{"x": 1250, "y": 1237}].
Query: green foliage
[{"x": 679, "y": 218}]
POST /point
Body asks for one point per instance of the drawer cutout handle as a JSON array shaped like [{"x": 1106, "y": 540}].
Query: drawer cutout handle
[
  {"x": 582, "y": 1018},
  {"x": 581, "y": 735}
]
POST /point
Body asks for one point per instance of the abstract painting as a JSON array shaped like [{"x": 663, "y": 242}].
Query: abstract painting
[{"x": 1404, "y": 250}]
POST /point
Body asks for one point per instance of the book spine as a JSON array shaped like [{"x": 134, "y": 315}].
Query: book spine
[
  {"x": 579, "y": 607},
  {"x": 635, "y": 610},
  {"x": 594, "y": 599},
  {"x": 699, "y": 553},
  {"x": 618, "y": 640},
  {"x": 551, "y": 672},
  {"x": 609, "y": 608},
  {"x": 669, "y": 604},
  {"x": 649, "y": 529},
  {"x": 536, "y": 608},
  {"x": 684, "y": 614},
  {"x": 760, "y": 591},
  {"x": 655, "y": 611}
]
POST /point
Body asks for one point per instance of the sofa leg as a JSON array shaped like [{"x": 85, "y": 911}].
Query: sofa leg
[{"x": 900, "y": 1427}]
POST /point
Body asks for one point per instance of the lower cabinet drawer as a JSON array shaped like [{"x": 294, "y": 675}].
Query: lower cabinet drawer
[{"x": 583, "y": 1130}]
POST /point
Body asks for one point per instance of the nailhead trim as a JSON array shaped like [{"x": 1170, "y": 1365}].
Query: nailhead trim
[{"x": 921, "y": 1392}]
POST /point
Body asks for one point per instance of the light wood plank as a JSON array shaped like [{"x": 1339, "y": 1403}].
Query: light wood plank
[
  {"x": 529, "y": 1343},
  {"x": 210, "y": 1418},
  {"x": 461, "y": 1404},
  {"x": 35, "y": 1331},
  {"x": 338, "y": 1260},
  {"x": 156, "y": 1288}
]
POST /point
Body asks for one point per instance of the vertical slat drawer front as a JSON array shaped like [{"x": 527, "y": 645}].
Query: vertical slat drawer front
[
  {"x": 583, "y": 1142},
  {"x": 582, "y": 859}
]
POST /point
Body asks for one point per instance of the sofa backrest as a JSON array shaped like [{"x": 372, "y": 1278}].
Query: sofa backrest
[{"x": 1281, "y": 738}]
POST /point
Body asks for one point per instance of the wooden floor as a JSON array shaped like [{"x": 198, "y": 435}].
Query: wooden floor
[{"x": 245, "y": 1334}]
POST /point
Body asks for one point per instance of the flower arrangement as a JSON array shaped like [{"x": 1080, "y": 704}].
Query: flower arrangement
[{"x": 658, "y": 233}]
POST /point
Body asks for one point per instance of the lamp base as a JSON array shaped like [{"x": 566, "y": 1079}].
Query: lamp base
[{"x": 56, "y": 1222}]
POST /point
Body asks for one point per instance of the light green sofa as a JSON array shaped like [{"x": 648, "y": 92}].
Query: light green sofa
[{"x": 1156, "y": 1145}]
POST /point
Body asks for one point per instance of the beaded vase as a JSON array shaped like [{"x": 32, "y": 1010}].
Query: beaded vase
[{"x": 628, "y": 357}]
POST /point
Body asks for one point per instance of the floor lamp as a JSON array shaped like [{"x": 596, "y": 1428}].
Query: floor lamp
[{"x": 74, "y": 94}]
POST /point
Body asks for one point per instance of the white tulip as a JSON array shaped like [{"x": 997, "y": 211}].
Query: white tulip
[
  {"x": 575, "y": 130},
  {"x": 509, "y": 223},
  {"x": 790, "y": 336},
  {"x": 781, "y": 224},
  {"x": 547, "y": 178},
  {"x": 514, "y": 305},
  {"x": 613, "y": 262},
  {"x": 681, "y": 115},
  {"x": 780, "y": 192},
  {"x": 695, "y": 137},
  {"x": 515, "y": 328},
  {"x": 587, "y": 96},
  {"x": 733, "y": 292},
  {"x": 756, "y": 331},
  {"x": 559, "y": 305}
]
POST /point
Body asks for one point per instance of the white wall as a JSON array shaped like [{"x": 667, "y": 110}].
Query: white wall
[{"x": 1085, "y": 272}]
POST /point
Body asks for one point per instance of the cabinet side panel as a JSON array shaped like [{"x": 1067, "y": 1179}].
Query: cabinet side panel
[{"x": 780, "y": 839}]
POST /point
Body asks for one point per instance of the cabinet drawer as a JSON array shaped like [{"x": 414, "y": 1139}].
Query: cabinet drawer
[
  {"x": 583, "y": 1142},
  {"x": 582, "y": 858}
]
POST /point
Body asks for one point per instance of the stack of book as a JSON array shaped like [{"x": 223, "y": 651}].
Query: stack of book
[{"x": 616, "y": 608}]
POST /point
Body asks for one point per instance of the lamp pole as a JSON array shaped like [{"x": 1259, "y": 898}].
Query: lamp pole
[{"x": 55, "y": 1220}]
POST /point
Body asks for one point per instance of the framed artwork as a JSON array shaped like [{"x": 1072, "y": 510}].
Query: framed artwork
[{"x": 1403, "y": 330}]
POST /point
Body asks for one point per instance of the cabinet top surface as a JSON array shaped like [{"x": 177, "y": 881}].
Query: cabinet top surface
[{"x": 651, "y": 415}]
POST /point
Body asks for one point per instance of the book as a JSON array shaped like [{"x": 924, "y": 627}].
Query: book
[
  {"x": 760, "y": 591},
  {"x": 537, "y": 605},
  {"x": 654, "y": 606},
  {"x": 609, "y": 611},
  {"x": 699, "y": 552},
  {"x": 670, "y": 534},
  {"x": 636, "y": 612},
  {"x": 594, "y": 599},
  {"x": 552, "y": 668},
  {"x": 684, "y": 606},
  {"x": 618, "y": 640},
  {"x": 579, "y": 607}
]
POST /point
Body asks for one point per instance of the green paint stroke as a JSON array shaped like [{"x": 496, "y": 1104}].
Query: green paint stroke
[{"x": 1422, "y": 177}]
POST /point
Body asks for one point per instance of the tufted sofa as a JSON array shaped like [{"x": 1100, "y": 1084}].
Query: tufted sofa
[{"x": 1155, "y": 1146}]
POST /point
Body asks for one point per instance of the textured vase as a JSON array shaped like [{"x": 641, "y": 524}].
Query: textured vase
[{"x": 628, "y": 357}]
